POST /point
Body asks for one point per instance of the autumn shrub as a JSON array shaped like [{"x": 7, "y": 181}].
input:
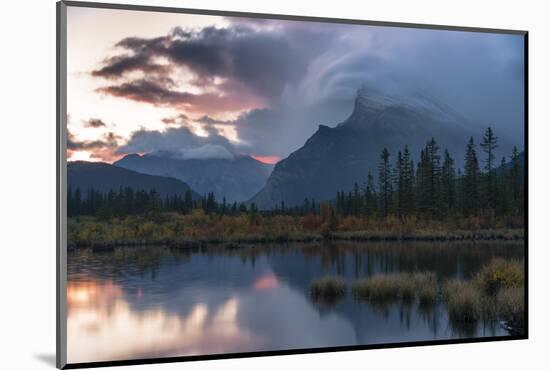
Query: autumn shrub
[
  {"x": 310, "y": 222},
  {"x": 498, "y": 274}
]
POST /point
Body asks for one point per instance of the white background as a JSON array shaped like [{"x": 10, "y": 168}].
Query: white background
[{"x": 27, "y": 193}]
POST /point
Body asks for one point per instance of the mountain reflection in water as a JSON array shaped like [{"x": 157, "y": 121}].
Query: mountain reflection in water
[{"x": 136, "y": 303}]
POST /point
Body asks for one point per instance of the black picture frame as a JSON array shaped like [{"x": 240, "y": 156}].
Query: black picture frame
[{"x": 61, "y": 191}]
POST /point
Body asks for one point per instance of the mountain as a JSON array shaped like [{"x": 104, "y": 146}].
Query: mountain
[
  {"x": 237, "y": 179},
  {"x": 333, "y": 159},
  {"x": 104, "y": 177}
]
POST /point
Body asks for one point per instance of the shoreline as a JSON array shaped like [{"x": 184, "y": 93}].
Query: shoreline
[{"x": 505, "y": 235}]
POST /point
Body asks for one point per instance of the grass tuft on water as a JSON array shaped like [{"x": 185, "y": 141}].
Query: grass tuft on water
[
  {"x": 463, "y": 301},
  {"x": 328, "y": 288},
  {"x": 499, "y": 274},
  {"x": 401, "y": 286}
]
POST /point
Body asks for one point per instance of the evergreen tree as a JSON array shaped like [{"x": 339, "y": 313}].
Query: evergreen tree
[
  {"x": 385, "y": 182},
  {"x": 242, "y": 208},
  {"x": 370, "y": 196},
  {"x": 489, "y": 144},
  {"x": 224, "y": 207},
  {"x": 399, "y": 184},
  {"x": 77, "y": 203},
  {"x": 503, "y": 188},
  {"x": 448, "y": 182},
  {"x": 407, "y": 180},
  {"x": 470, "y": 186},
  {"x": 434, "y": 176},
  {"x": 515, "y": 180},
  {"x": 356, "y": 200},
  {"x": 188, "y": 201}
]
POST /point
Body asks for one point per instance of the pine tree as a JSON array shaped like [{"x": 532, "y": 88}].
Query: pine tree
[
  {"x": 370, "y": 196},
  {"x": 384, "y": 182},
  {"x": 407, "y": 182},
  {"x": 77, "y": 203},
  {"x": 448, "y": 181},
  {"x": 434, "y": 175},
  {"x": 356, "y": 200},
  {"x": 399, "y": 184},
  {"x": 489, "y": 145},
  {"x": 503, "y": 188},
  {"x": 515, "y": 180},
  {"x": 224, "y": 207},
  {"x": 470, "y": 186},
  {"x": 188, "y": 201}
]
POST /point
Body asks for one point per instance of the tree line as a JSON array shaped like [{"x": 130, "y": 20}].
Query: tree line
[
  {"x": 126, "y": 201},
  {"x": 434, "y": 188}
]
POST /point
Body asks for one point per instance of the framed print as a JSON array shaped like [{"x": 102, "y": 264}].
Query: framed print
[{"x": 237, "y": 184}]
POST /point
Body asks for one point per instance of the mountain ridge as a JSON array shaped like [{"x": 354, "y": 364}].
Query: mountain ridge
[
  {"x": 334, "y": 158},
  {"x": 237, "y": 179},
  {"x": 104, "y": 177}
]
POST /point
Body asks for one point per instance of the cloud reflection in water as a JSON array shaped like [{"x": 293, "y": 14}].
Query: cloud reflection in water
[{"x": 103, "y": 326}]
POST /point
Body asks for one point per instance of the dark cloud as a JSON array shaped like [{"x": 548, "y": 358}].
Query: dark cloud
[
  {"x": 117, "y": 66},
  {"x": 290, "y": 77},
  {"x": 161, "y": 94},
  {"x": 254, "y": 66},
  {"x": 94, "y": 123},
  {"x": 103, "y": 148}
]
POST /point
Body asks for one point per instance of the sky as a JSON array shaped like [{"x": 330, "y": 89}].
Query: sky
[{"x": 202, "y": 86}]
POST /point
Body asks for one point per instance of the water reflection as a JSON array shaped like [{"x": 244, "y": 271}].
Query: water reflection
[
  {"x": 153, "y": 302},
  {"x": 102, "y": 325},
  {"x": 266, "y": 282}
]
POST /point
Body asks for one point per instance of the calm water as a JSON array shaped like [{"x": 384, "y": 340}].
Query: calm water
[{"x": 152, "y": 302}]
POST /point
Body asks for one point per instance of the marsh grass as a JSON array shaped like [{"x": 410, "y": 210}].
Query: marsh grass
[
  {"x": 401, "y": 286},
  {"x": 495, "y": 293},
  {"x": 328, "y": 289},
  {"x": 510, "y": 303},
  {"x": 499, "y": 274},
  {"x": 463, "y": 301}
]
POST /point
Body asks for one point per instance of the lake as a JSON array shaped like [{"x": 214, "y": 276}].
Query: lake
[{"x": 143, "y": 302}]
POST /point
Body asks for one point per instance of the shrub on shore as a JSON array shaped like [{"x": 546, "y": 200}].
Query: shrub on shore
[{"x": 197, "y": 225}]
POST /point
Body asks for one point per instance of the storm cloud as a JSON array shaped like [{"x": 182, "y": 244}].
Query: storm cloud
[
  {"x": 281, "y": 79},
  {"x": 238, "y": 67}
]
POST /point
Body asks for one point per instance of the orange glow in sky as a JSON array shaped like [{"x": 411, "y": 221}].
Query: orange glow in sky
[{"x": 269, "y": 159}]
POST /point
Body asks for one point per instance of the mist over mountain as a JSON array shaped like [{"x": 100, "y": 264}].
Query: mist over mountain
[
  {"x": 237, "y": 179},
  {"x": 103, "y": 177},
  {"x": 333, "y": 159}
]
